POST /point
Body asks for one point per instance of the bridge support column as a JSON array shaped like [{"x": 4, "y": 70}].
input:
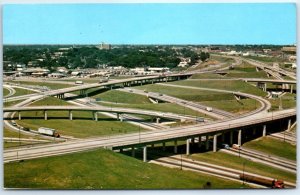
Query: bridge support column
[
  {"x": 288, "y": 127},
  {"x": 45, "y": 115},
  {"x": 70, "y": 115},
  {"x": 207, "y": 143},
  {"x": 240, "y": 137},
  {"x": 265, "y": 87},
  {"x": 188, "y": 147},
  {"x": 19, "y": 115},
  {"x": 157, "y": 120},
  {"x": 121, "y": 118},
  {"x": 118, "y": 116},
  {"x": 264, "y": 130},
  {"x": 223, "y": 137},
  {"x": 192, "y": 140},
  {"x": 145, "y": 154},
  {"x": 175, "y": 146},
  {"x": 133, "y": 152},
  {"x": 291, "y": 88},
  {"x": 215, "y": 143},
  {"x": 231, "y": 137},
  {"x": 164, "y": 146},
  {"x": 96, "y": 116},
  {"x": 199, "y": 141}
]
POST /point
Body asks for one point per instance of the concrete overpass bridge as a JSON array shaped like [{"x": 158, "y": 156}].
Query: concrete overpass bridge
[
  {"x": 60, "y": 93},
  {"x": 95, "y": 110},
  {"x": 262, "y": 83},
  {"x": 229, "y": 130}
]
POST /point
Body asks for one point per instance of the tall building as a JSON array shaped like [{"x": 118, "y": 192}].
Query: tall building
[{"x": 104, "y": 46}]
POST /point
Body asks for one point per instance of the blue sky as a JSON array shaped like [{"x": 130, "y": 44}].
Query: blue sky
[{"x": 259, "y": 23}]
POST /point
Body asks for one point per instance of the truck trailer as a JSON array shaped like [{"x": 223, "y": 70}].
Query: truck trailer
[{"x": 48, "y": 131}]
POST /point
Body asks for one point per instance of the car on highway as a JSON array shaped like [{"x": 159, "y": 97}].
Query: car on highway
[
  {"x": 14, "y": 124},
  {"x": 226, "y": 146}
]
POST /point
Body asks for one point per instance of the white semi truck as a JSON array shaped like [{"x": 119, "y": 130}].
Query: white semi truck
[{"x": 48, "y": 131}]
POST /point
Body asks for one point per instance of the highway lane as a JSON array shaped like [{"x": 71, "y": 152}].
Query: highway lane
[
  {"x": 146, "y": 137},
  {"x": 215, "y": 113}
]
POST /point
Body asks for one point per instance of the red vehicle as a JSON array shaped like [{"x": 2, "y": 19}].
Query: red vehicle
[{"x": 272, "y": 183}]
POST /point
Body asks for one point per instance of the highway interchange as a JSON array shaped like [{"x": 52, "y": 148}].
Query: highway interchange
[{"x": 226, "y": 122}]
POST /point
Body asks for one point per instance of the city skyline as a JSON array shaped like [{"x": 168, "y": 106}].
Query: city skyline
[{"x": 244, "y": 23}]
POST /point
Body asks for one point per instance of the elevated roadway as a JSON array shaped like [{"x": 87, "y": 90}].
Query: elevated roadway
[
  {"x": 144, "y": 139},
  {"x": 98, "y": 109}
]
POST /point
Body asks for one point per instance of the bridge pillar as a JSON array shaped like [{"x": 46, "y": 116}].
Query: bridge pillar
[
  {"x": 265, "y": 87},
  {"x": 240, "y": 137},
  {"x": 145, "y": 154},
  {"x": 141, "y": 82},
  {"x": 121, "y": 118},
  {"x": 291, "y": 87},
  {"x": 215, "y": 143},
  {"x": 19, "y": 115},
  {"x": 157, "y": 120},
  {"x": 199, "y": 141},
  {"x": 133, "y": 152},
  {"x": 45, "y": 115},
  {"x": 231, "y": 137},
  {"x": 118, "y": 116},
  {"x": 188, "y": 147},
  {"x": 164, "y": 146},
  {"x": 70, "y": 115},
  {"x": 175, "y": 146},
  {"x": 207, "y": 143},
  {"x": 257, "y": 70},
  {"x": 96, "y": 116},
  {"x": 192, "y": 140},
  {"x": 264, "y": 130},
  {"x": 223, "y": 137},
  {"x": 289, "y": 124}
]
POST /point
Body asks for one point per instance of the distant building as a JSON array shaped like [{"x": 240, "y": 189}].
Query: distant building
[
  {"x": 104, "y": 46},
  {"x": 182, "y": 64},
  {"x": 289, "y": 50},
  {"x": 56, "y": 75}
]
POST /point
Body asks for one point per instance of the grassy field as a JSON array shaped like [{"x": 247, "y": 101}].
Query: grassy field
[
  {"x": 50, "y": 101},
  {"x": 103, "y": 169},
  {"x": 20, "y": 91},
  {"x": 260, "y": 74},
  {"x": 122, "y": 97},
  {"x": 81, "y": 126},
  {"x": 231, "y": 161},
  {"x": 273, "y": 147},
  {"x": 162, "y": 107},
  {"x": 50, "y": 85},
  {"x": 287, "y": 100},
  {"x": 5, "y": 92},
  {"x": 232, "y": 85},
  {"x": 268, "y": 60},
  {"x": 188, "y": 94},
  {"x": 8, "y": 104},
  {"x": 234, "y": 106},
  {"x": 206, "y": 76}
]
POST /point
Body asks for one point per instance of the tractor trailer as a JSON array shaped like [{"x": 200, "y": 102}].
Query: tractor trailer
[{"x": 48, "y": 131}]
